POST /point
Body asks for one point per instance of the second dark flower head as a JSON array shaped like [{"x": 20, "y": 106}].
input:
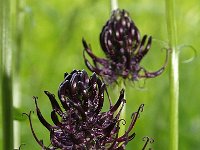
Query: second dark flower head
[{"x": 124, "y": 49}]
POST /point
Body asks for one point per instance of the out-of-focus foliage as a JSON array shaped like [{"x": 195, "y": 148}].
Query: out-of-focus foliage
[{"x": 52, "y": 45}]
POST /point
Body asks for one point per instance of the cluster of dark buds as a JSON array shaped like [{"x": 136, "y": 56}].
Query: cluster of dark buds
[
  {"x": 124, "y": 50},
  {"x": 79, "y": 123}
]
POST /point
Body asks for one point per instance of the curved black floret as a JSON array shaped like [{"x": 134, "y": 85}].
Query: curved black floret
[
  {"x": 124, "y": 49},
  {"x": 79, "y": 124},
  {"x": 147, "y": 140}
]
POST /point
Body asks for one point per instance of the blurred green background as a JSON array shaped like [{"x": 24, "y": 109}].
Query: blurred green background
[{"x": 51, "y": 45}]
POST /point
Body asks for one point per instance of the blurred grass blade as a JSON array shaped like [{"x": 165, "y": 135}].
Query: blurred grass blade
[
  {"x": 18, "y": 18},
  {"x": 6, "y": 76},
  {"x": 174, "y": 74},
  {"x": 18, "y": 116}
]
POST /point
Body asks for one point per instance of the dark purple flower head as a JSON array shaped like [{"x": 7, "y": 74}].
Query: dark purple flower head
[
  {"x": 80, "y": 124},
  {"x": 124, "y": 50}
]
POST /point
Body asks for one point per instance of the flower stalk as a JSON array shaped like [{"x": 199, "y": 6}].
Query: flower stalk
[
  {"x": 18, "y": 17},
  {"x": 114, "y": 4},
  {"x": 121, "y": 85},
  {"x": 6, "y": 75},
  {"x": 173, "y": 74}
]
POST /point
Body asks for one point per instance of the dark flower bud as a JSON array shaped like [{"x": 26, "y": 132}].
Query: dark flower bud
[
  {"x": 124, "y": 49},
  {"x": 119, "y": 36},
  {"x": 80, "y": 124}
]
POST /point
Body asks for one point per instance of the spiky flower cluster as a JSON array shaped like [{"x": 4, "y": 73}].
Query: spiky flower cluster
[
  {"x": 79, "y": 124},
  {"x": 124, "y": 49}
]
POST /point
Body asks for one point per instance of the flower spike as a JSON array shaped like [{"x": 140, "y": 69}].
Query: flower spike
[
  {"x": 82, "y": 124},
  {"x": 124, "y": 49}
]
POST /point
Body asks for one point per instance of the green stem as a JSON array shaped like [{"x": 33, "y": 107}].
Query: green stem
[
  {"x": 114, "y": 4},
  {"x": 174, "y": 74},
  {"x": 18, "y": 17},
  {"x": 6, "y": 76}
]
